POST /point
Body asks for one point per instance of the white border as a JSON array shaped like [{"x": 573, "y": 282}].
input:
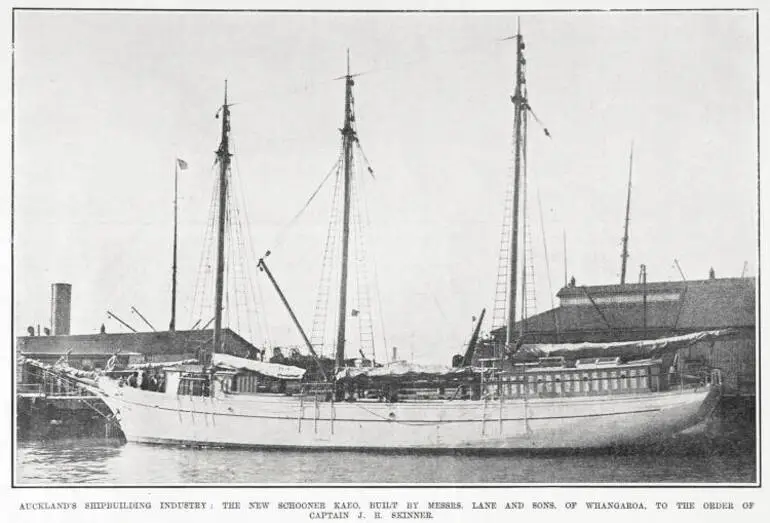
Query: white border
[{"x": 558, "y": 495}]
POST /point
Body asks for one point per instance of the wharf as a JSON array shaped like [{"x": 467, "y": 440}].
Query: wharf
[{"x": 56, "y": 409}]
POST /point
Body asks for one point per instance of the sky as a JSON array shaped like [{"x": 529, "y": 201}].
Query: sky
[{"x": 106, "y": 101}]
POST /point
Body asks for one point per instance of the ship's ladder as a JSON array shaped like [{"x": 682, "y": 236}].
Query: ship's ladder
[
  {"x": 500, "y": 309},
  {"x": 320, "y": 310}
]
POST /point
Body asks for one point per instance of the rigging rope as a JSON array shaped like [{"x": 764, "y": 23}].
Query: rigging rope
[
  {"x": 204, "y": 263},
  {"x": 545, "y": 129},
  {"x": 306, "y": 86},
  {"x": 366, "y": 160},
  {"x": 253, "y": 279},
  {"x": 328, "y": 276},
  {"x": 365, "y": 324},
  {"x": 545, "y": 245},
  {"x": 245, "y": 273},
  {"x": 475, "y": 47},
  {"x": 367, "y": 222},
  {"x": 281, "y": 236}
]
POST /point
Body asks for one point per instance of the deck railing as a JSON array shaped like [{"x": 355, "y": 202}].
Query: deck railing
[{"x": 29, "y": 388}]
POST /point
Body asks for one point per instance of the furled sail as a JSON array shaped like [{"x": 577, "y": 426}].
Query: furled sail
[
  {"x": 62, "y": 368},
  {"x": 406, "y": 370},
  {"x": 627, "y": 349},
  {"x": 160, "y": 364}
]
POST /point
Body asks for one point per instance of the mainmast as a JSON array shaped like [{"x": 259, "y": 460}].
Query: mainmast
[
  {"x": 348, "y": 138},
  {"x": 624, "y": 255},
  {"x": 520, "y": 108},
  {"x": 223, "y": 158}
]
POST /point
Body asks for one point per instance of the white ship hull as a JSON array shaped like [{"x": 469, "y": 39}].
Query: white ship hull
[{"x": 277, "y": 421}]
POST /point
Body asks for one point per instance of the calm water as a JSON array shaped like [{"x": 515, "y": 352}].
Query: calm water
[{"x": 695, "y": 459}]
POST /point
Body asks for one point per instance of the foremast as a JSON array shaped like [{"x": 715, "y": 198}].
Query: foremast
[
  {"x": 348, "y": 139},
  {"x": 223, "y": 159}
]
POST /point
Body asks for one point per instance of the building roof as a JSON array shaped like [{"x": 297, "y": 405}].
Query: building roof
[
  {"x": 152, "y": 343},
  {"x": 692, "y": 305}
]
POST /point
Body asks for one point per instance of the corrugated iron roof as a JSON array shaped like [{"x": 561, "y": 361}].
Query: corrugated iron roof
[
  {"x": 702, "y": 304},
  {"x": 178, "y": 342}
]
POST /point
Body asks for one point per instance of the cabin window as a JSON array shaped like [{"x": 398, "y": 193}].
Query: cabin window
[{"x": 193, "y": 386}]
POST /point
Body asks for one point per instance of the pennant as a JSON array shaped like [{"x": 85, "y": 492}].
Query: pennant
[{"x": 181, "y": 163}]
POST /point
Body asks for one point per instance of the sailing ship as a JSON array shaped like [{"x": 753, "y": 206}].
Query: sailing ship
[{"x": 538, "y": 397}]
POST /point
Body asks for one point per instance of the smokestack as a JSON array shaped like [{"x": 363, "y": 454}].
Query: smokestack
[
  {"x": 61, "y": 298},
  {"x": 395, "y": 354}
]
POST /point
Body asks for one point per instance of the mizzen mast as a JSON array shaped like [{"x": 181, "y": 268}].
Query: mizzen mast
[
  {"x": 223, "y": 158},
  {"x": 624, "y": 255},
  {"x": 520, "y": 109},
  {"x": 348, "y": 139}
]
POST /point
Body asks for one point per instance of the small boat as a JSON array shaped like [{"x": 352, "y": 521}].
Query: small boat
[{"x": 539, "y": 397}]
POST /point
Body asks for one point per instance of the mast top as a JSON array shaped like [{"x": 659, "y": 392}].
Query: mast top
[
  {"x": 624, "y": 253},
  {"x": 223, "y": 150}
]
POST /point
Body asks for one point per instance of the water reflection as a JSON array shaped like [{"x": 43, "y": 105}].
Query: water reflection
[{"x": 684, "y": 460}]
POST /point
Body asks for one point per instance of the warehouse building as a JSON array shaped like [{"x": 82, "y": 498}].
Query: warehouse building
[{"x": 606, "y": 313}]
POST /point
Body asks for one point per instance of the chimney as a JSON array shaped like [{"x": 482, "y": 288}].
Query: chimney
[
  {"x": 395, "y": 354},
  {"x": 61, "y": 298}
]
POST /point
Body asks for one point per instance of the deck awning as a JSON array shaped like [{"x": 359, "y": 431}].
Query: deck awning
[{"x": 273, "y": 370}]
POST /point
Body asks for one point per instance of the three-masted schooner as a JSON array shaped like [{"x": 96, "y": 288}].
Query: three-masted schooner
[{"x": 565, "y": 396}]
